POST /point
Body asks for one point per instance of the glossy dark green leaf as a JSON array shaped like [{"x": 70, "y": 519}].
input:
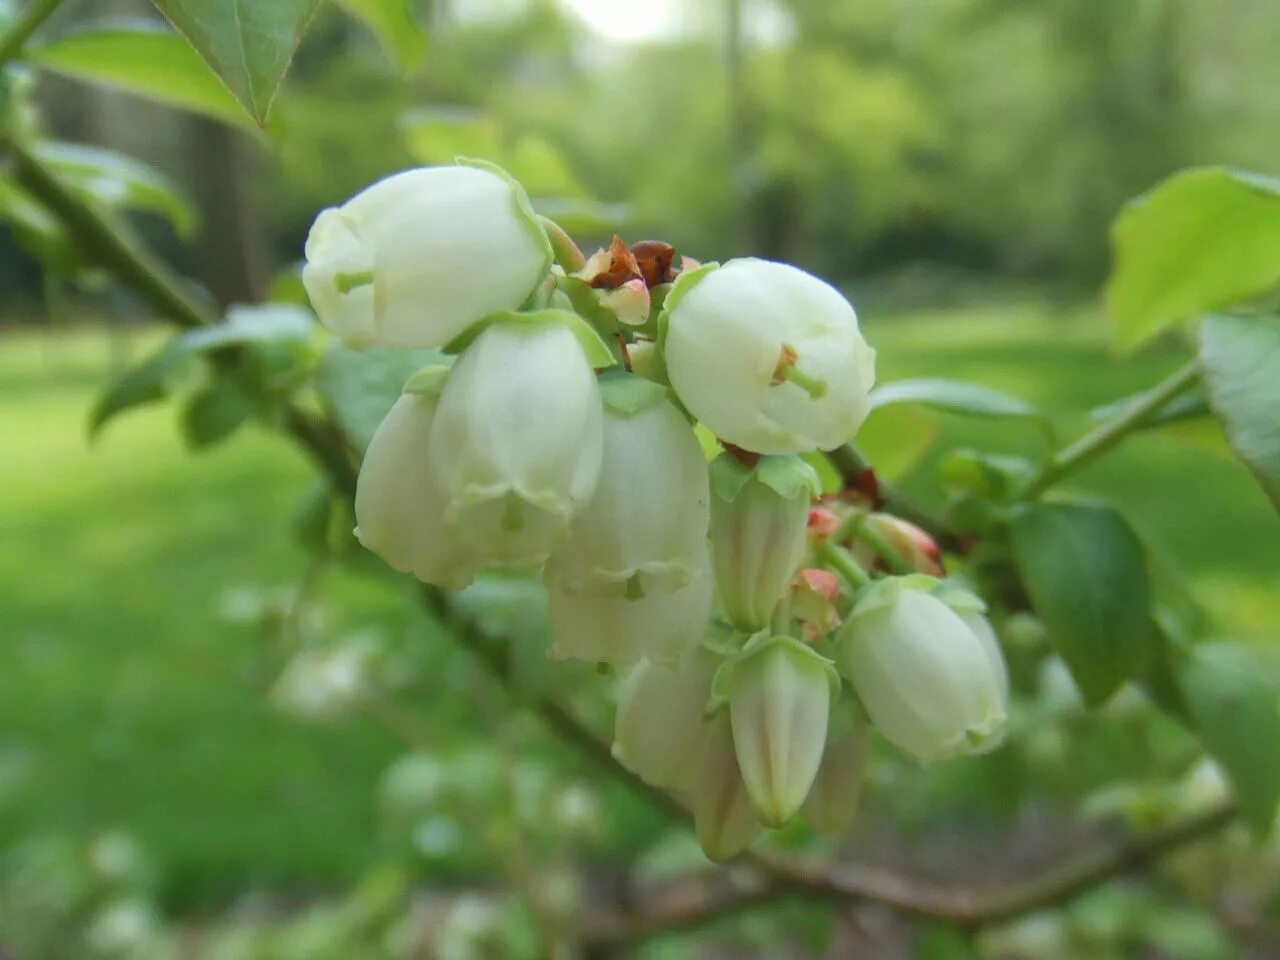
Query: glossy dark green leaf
[
  {"x": 1235, "y": 704},
  {"x": 143, "y": 59},
  {"x": 956, "y": 396},
  {"x": 1240, "y": 357},
  {"x": 1202, "y": 240},
  {"x": 394, "y": 24},
  {"x": 1084, "y": 570},
  {"x": 248, "y": 43},
  {"x": 360, "y": 386}
]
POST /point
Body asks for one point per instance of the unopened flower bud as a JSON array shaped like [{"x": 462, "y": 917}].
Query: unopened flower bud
[
  {"x": 620, "y": 629},
  {"x": 833, "y": 798},
  {"x": 399, "y": 506},
  {"x": 926, "y": 678},
  {"x": 824, "y": 522},
  {"x": 769, "y": 357},
  {"x": 516, "y": 444},
  {"x": 416, "y": 258},
  {"x": 723, "y": 815},
  {"x": 779, "y": 695},
  {"x": 644, "y": 530},
  {"x": 758, "y": 533},
  {"x": 661, "y": 709},
  {"x": 629, "y": 302},
  {"x": 814, "y": 593},
  {"x": 913, "y": 544}
]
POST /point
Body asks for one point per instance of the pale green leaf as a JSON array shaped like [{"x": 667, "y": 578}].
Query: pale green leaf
[
  {"x": 119, "y": 180},
  {"x": 248, "y": 43},
  {"x": 1202, "y": 240},
  {"x": 144, "y": 59},
  {"x": 956, "y": 396},
  {"x": 1085, "y": 573},
  {"x": 1240, "y": 357}
]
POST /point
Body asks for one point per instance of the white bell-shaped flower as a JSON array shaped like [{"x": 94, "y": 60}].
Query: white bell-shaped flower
[
  {"x": 516, "y": 442},
  {"x": 759, "y": 524},
  {"x": 657, "y": 731},
  {"x": 399, "y": 506},
  {"x": 416, "y": 258},
  {"x": 780, "y": 692},
  {"x": 833, "y": 799},
  {"x": 659, "y": 625},
  {"x": 644, "y": 529},
  {"x": 723, "y": 816},
  {"x": 769, "y": 357},
  {"x": 928, "y": 681}
]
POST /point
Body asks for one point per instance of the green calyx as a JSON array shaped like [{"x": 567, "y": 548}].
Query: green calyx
[
  {"x": 429, "y": 381},
  {"x": 625, "y": 394},
  {"x": 761, "y": 643},
  {"x": 598, "y": 354},
  {"x": 879, "y": 594},
  {"x": 524, "y": 206},
  {"x": 788, "y": 475}
]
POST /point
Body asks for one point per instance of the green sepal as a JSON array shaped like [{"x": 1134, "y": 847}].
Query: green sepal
[
  {"x": 625, "y": 394},
  {"x": 959, "y": 598},
  {"x": 429, "y": 381},
  {"x": 787, "y": 475},
  {"x": 679, "y": 288},
  {"x": 524, "y": 206},
  {"x": 585, "y": 301},
  {"x": 593, "y": 346},
  {"x": 721, "y": 683},
  {"x": 879, "y": 594}
]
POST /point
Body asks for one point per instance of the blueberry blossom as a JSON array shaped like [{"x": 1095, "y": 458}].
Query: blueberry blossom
[
  {"x": 644, "y": 529},
  {"x": 779, "y": 692},
  {"x": 759, "y": 522},
  {"x": 517, "y": 439},
  {"x": 930, "y": 682},
  {"x": 416, "y": 258},
  {"x": 833, "y": 799},
  {"x": 399, "y": 506},
  {"x": 769, "y": 357}
]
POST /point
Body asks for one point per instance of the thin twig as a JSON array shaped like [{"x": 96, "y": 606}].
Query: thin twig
[{"x": 1107, "y": 434}]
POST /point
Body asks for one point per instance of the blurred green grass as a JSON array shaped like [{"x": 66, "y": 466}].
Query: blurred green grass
[{"x": 128, "y": 701}]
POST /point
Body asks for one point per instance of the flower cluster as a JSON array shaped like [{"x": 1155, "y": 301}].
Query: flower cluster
[{"x": 757, "y": 634}]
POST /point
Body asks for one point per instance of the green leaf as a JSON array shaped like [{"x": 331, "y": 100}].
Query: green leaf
[
  {"x": 896, "y": 438},
  {"x": 141, "y": 384},
  {"x": 987, "y": 475},
  {"x": 248, "y": 43},
  {"x": 1188, "y": 406},
  {"x": 1202, "y": 240},
  {"x": 152, "y": 379},
  {"x": 1240, "y": 357},
  {"x": 213, "y": 413},
  {"x": 142, "y": 59},
  {"x": 1235, "y": 704},
  {"x": 394, "y": 24},
  {"x": 120, "y": 181},
  {"x": 1084, "y": 570},
  {"x": 956, "y": 396},
  {"x": 360, "y": 386}
]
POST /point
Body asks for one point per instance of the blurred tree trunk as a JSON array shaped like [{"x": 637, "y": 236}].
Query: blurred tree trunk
[{"x": 234, "y": 257}]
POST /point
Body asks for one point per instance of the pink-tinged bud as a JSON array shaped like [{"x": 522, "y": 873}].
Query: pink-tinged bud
[
  {"x": 629, "y": 302},
  {"x": 823, "y": 522},
  {"x": 915, "y": 545},
  {"x": 814, "y": 593}
]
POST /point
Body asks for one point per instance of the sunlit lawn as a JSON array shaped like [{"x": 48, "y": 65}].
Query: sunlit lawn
[{"x": 127, "y": 699}]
